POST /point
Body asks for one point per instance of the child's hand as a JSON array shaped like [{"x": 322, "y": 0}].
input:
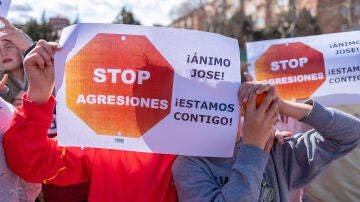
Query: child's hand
[
  {"x": 15, "y": 35},
  {"x": 257, "y": 87},
  {"x": 259, "y": 121},
  {"x": 39, "y": 69},
  {"x": 3, "y": 87},
  {"x": 279, "y": 136}
]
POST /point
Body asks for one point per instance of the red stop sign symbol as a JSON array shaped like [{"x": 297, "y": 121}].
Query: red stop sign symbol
[
  {"x": 295, "y": 68},
  {"x": 119, "y": 85}
]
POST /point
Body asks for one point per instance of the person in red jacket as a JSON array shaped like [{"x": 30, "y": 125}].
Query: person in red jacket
[{"x": 114, "y": 175}]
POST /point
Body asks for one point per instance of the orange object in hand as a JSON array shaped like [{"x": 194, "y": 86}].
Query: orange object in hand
[{"x": 259, "y": 100}]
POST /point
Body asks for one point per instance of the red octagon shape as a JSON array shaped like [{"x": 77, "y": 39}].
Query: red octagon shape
[
  {"x": 119, "y": 85},
  {"x": 296, "y": 69}
]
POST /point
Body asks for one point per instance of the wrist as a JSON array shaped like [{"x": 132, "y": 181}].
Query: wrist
[
  {"x": 32, "y": 46},
  {"x": 283, "y": 105},
  {"x": 22, "y": 40},
  {"x": 254, "y": 143},
  {"x": 38, "y": 96}
]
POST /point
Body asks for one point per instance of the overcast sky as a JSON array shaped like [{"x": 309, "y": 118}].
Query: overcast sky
[{"x": 147, "y": 12}]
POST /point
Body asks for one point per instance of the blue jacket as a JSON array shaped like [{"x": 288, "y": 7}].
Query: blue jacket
[{"x": 253, "y": 175}]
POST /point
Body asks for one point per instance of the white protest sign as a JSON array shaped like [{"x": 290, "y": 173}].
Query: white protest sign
[
  {"x": 4, "y": 7},
  {"x": 324, "y": 67},
  {"x": 150, "y": 89}
]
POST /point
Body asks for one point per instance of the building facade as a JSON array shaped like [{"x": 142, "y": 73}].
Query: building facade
[
  {"x": 58, "y": 23},
  {"x": 332, "y": 15}
]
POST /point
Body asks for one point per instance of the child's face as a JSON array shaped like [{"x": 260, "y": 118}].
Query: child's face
[{"x": 10, "y": 57}]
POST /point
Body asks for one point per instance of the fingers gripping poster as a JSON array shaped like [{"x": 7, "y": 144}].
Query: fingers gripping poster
[
  {"x": 323, "y": 67},
  {"x": 150, "y": 89}
]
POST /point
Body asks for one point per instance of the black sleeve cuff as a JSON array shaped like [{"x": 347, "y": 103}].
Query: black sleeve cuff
[{"x": 30, "y": 48}]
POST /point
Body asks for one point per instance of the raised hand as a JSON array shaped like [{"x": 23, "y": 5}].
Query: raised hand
[
  {"x": 259, "y": 121},
  {"x": 15, "y": 35},
  {"x": 39, "y": 69},
  {"x": 3, "y": 87}
]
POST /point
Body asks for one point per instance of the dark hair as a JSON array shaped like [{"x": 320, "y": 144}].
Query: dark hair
[
  {"x": 244, "y": 71},
  {"x": 243, "y": 77}
]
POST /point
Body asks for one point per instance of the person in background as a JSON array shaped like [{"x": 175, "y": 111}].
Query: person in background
[
  {"x": 9, "y": 181},
  {"x": 114, "y": 175},
  {"x": 13, "y": 84},
  {"x": 255, "y": 173},
  {"x": 341, "y": 181},
  {"x": 286, "y": 124},
  {"x": 13, "y": 44}
]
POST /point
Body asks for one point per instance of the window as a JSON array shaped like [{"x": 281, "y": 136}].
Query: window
[
  {"x": 357, "y": 9},
  {"x": 282, "y": 2}
]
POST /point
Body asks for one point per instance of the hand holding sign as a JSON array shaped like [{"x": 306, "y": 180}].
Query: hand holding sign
[{"x": 39, "y": 70}]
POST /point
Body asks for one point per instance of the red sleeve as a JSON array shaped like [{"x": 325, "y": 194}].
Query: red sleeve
[{"x": 37, "y": 158}]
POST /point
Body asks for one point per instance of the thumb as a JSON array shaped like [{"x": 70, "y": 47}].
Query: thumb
[
  {"x": 3, "y": 81},
  {"x": 281, "y": 135}
]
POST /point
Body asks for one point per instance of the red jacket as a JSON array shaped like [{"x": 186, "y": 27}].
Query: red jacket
[{"x": 115, "y": 175}]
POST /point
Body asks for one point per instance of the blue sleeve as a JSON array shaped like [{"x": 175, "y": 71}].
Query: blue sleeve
[
  {"x": 195, "y": 182},
  {"x": 306, "y": 155}
]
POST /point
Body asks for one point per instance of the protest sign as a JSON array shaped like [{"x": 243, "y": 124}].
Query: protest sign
[
  {"x": 324, "y": 67},
  {"x": 4, "y": 7},
  {"x": 150, "y": 89}
]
